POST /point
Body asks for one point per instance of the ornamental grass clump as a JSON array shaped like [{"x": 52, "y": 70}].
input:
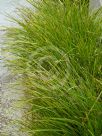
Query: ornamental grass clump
[{"x": 56, "y": 54}]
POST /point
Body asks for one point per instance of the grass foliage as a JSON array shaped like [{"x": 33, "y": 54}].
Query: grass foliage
[{"x": 57, "y": 53}]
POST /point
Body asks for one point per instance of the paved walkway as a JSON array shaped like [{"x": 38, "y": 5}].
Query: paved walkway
[
  {"x": 95, "y": 4},
  {"x": 7, "y": 94},
  {"x": 7, "y": 98}
]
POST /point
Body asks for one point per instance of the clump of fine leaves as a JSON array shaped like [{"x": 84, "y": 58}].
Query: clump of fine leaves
[{"x": 57, "y": 53}]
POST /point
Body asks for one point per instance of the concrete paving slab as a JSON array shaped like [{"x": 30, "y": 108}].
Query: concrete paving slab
[{"x": 95, "y": 4}]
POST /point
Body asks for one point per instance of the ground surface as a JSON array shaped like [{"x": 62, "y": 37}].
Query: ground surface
[{"x": 7, "y": 93}]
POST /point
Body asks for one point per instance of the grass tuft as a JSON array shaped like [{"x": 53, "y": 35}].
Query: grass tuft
[{"x": 57, "y": 53}]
